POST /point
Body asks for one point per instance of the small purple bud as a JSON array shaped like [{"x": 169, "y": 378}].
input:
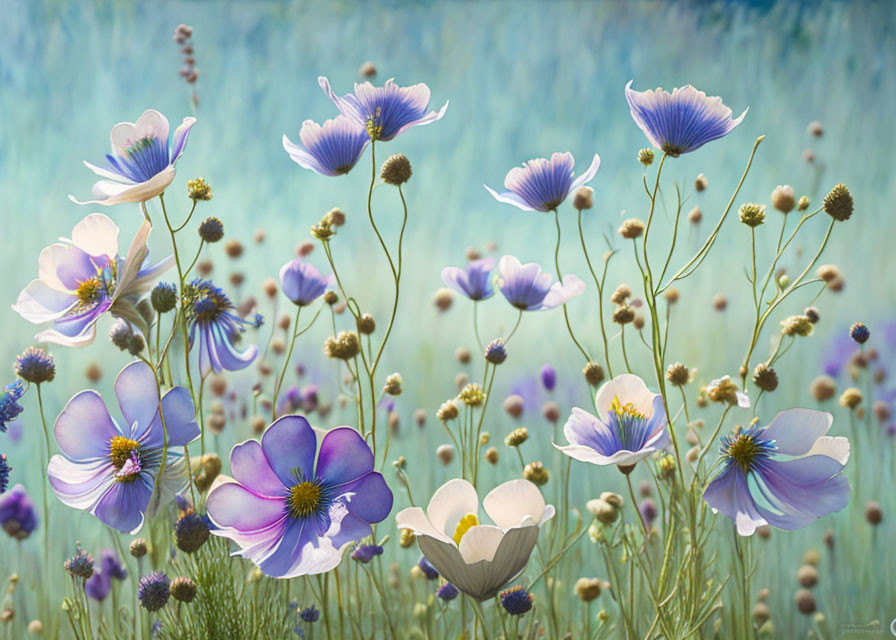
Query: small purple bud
[{"x": 549, "y": 377}]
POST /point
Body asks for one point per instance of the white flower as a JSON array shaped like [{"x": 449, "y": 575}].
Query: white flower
[
  {"x": 141, "y": 165},
  {"x": 477, "y": 558},
  {"x": 81, "y": 278}
]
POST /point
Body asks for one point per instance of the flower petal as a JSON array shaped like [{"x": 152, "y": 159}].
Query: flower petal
[
  {"x": 510, "y": 503},
  {"x": 481, "y": 542},
  {"x": 372, "y": 499},
  {"x": 250, "y": 467},
  {"x": 233, "y": 505},
  {"x": 84, "y": 428},
  {"x": 796, "y": 430},
  {"x": 290, "y": 444},
  {"x": 96, "y": 235},
  {"x": 39, "y": 303},
  {"x": 123, "y": 505},
  {"x": 629, "y": 388},
  {"x": 137, "y": 391},
  {"x": 344, "y": 456}
]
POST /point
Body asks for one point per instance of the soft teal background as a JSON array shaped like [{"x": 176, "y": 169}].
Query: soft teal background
[{"x": 524, "y": 79}]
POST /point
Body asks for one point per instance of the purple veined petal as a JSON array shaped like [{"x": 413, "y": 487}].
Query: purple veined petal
[
  {"x": 112, "y": 176},
  {"x": 180, "y": 138},
  {"x": 288, "y": 444},
  {"x": 96, "y": 235},
  {"x": 588, "y": 176},
  {"x": 287, "y": 553},
  {"x": 84, "y": 428},
  {"x": 224, "y": 355},
  {"x": 372, "y": 499},
  {"x": 347, "y": 105},
  {"x": 150, "y": 124},
  {"x": 747, "y": 516},
  {"x": 351, "y": 529},
  {"x": 804, "y": 487},
  {"x": 180, "y": 421},
  {"x": 234, "y": 506},
  {"x": 74, "y": 324},
  {"x": 344, "y": 456},
  {"x": 585, "y": 430},
  {"x": 39, "y": 303},
  {"x": 206, "y": 363},
  {"x": 508, "y": 197},
  {"x": 138, "y": 396},
  {"x": 79, "y": 484},
  {"x": 331, "y": 149},
  {"x": 123, "y": 505},
  {"x": 250, "y": 467},
  {"x": 796, "y": 430}
]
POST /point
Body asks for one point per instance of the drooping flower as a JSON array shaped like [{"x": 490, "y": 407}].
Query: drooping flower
[
  {"x": 474, "y": 281},
  {"x": 631, "y": 425},
  {"x": 681, "y": 121},
  {"x": 18, "y": 516},
  {"x": 302, "y": 283},
  {"x": 82, "y": 278},
  {"x": 291, "y": 508},
  {"x": 479, "y": 559},
  {"x": 141, "y": 165},
  {"x": 786, "y": 474},
  {"x": 331, "y": 149},
  {"x": 386, "y": 111},
  {"x": 9, "y": 403},
  {"x": 212, "y": 318},
  {"x": 542, "y": 184},
  {"x": 111, "y": 471},
  {"x": 527, "y": 288}
]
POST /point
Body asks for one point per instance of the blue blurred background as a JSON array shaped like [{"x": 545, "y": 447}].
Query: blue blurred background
[{"x": 524, "y": 79}]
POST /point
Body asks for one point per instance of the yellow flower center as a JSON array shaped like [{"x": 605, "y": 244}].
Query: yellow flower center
[
  {"x": 626, "y": 410},
  {"x": 89, "y": 291},
  {"x": 743, "y": 450},
  {"x": 120, "y": 449},
  {"x": 466, "y": 523},
  {"x": 304, "y": 499}
]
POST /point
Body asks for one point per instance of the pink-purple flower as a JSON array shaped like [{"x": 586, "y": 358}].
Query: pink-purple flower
[
  {"x": 111, "y": 469},
  {"x": 542, "y": 184},
  {"x": 141, "y": 165},
  {"x": 387, "y": 111},
  {"x": 681, "y": 121},
  {"x": 330, "y": 149},
  {"x": 527, "y": 288},
  {"x": 474, "y": 281},
  {"x": 786, "y": 474},
  {"x": 293, "y": 509}
]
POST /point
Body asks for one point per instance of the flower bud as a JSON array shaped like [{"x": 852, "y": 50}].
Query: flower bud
[
  {"x": 838, "y": 203},
  {"x": 211, "y": 230},
  {"x": 396, "y": 170},
  {"x": 583, "y": 198},
  {"x": 645, "y": 156},
  {"x": 535, "y": 473},
  {"x": 631, "y": 228},
  {"x": 783, "y": 198},
  {"x": 199, "y": 189}
]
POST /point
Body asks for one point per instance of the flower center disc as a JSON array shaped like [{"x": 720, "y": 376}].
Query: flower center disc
[
  {"x": 120, "y": 450},
  {"x": 744, "y": 450},
  {"x": 89, "y": 291},
  {"x": 466, "y": 523},
  {"x": 304, "y": 499}
]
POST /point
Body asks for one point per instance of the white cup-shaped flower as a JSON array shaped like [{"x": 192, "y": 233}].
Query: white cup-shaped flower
[{"x": 477, "y": 558}]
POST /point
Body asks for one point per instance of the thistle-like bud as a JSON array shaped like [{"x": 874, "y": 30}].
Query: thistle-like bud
[
  {"x": 588, "y": 589},
  {"x": 645, "y": 156},
  {"x": 183, "y": 589},
  {"x": 678, "y": 374},
  {"x": 233, "y": 249},
  {"x": 448, "y": 411},
  {"x": 491, "y": 455},
  {"x": 344, "y": 346},
  {"x": 752, "y": 214},
  {"x": 137, "y": 548},
  {"x": 603, "y": 511},
  {"x": 445, "y": 454},
  {"x": 803, "y": 203},
  {"x": 594, "y": 373},
  {"x": 163, "y": 297},
  {"x": 517, "y": 437},
  {"x": 136, "y": 344},
  {"x": 823, "y": 388},
  {"x": 35, "y": 366},
  {"x": 797, "y": 326},
  {"x": 331, "y": 298},
  {"x": 583, "y": 199},
  {"x": 335, "y": 217},
  {"x": 813, "y": 314},
  {"x": 783, "y": 198},
  {"x": 199, "y": 189},
  {"x": 851, "y": 398},
  {"x": 535, "y": 473},
  {"x": 366, "y": 324},
  {"x": 211, "y": 230},
  {"x": 623, "y": 315},
  {"x": 323, "y": 230},
  {"x": 393, "y": 385},
  {"x": 622, "y": 293},
  {"x": 765, "y": 377},
  {"x": 496, "y": 352},
  {"x": 700, "y": 183},
  {"x": 472, "y": 395},
  {"x": 631, "y": 228},
  {"x": 828, "y": 272},
  {"x": 859, "y": 332},
  {"x": 838, "y": 203},
  {"x": 396, "y": 170}
]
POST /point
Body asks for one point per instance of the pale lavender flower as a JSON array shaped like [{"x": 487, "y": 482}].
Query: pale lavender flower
[
  {"x": 527, "y": 288},
  {"x": 474, "y": 281},
  {"x": 301, "y": 282},
  {"x": 331, "y": 149},
  {"x": 542, "y": 184},
  {"x": 786, "y": 474},
  {"x": 681, "y": 121}
]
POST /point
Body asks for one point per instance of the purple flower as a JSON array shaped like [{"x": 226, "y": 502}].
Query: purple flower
[
  {"x": 631, "y": 426},
  {"x": 364, "y": 553},
  {"x": 331, "y": 149},
  {"x": 474, "y": 281},
  {"x": 542, "y": 184},
  {"x": 111, "y": 565},
  {"x": 787, "y": 474},
  {"x": 213, "y": 319},
  {"x": 291, "y": 515},
  {"x": 4, "y": 473},
  {"x": 302, "y": 282},
  {"x": 141, "y": 165},
  {"x": 9, "y": 403},
  {"x": 82, "y": 278},
  {"x": 386, "y": 111},
  {"x": 111, "y": 471},
  {"x": 549, "y": 377},
  {"x": 681, "y": 121},
  {"x": 98, "y": 585},
  {"x": 528, "y": 289},
  {"x": 17, "y": 515}
]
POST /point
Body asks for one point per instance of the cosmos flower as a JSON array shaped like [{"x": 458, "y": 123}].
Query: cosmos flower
[
  {"x": 212, "y": 317},
  {"x": 786, "y": 474},
  {"x": 17, "y": 514},
  {"x": 542, "y": 184},
  {"x": 302, "y": 282},
  {"x": 386, "y": 111},
  {"x": 331, "y": 149},
  {"x": 681, "y": 121},
  {"x": 9, "y": 403},
  {"x": 474, "y": 282},
  {"x": 291, "y": 515},
  {"x": 528, "y": 289},
  {"x": 141, "y": 165},
  {"x": 111, "y": 471},
  {"x": 477, "y": 558},
  {"x": 631, "y": 425},
  {"x": 81, "y": 278}
]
